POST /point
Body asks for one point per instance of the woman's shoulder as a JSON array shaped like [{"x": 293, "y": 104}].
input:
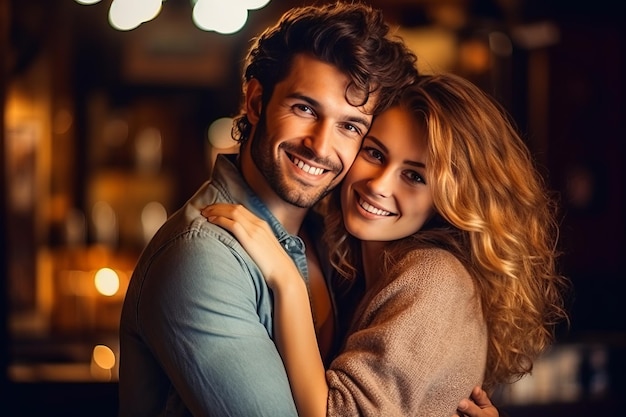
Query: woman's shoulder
[
  {"x": 429, "y": 258},
  {"x": 431, "y": 266}
]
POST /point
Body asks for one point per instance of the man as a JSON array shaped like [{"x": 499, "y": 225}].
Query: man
[{"x": 196, "y": 327}]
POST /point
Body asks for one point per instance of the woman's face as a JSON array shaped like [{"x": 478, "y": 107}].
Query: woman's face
[{"x": 384, "y": 196}]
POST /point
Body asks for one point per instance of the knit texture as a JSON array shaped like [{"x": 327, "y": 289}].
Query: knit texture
[{"x": 417, "y": 347}]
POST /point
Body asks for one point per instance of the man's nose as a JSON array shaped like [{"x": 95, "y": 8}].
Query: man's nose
[{"x": 320, "y": 140}]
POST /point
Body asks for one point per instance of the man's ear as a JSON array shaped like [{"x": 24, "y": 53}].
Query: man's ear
[{"x": 254, "y": 102}]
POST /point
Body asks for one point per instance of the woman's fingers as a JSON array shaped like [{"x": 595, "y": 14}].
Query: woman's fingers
[{"x": 255, "y": 236}]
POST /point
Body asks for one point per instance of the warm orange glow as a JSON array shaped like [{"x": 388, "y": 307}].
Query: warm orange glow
[
  {"x": 103, "y": 356},
  {"x": 107, "y": 281},
  {"x": 474, "y": 56}
]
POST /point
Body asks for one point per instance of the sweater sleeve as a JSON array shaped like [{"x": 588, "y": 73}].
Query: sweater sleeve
[{"x": 417, "y": 347}]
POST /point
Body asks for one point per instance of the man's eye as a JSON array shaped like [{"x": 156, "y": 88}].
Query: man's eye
[
  {"x": 302, "y": 108},
  {"x": 352, "y": 128}
]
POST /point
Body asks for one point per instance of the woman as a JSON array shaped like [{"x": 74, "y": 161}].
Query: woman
[{"x": 444, "y": 233}]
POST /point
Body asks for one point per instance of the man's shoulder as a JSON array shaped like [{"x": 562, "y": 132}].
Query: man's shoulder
[
  {"x": 187, "y": 231},
  {"x": 184, "y": 232},
  {"x": 192, "y": 255}
]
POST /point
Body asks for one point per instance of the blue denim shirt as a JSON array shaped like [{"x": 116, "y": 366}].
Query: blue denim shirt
[{"x": 196, "y": 326}]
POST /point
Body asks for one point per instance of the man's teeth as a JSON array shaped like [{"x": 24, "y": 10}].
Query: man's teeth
[
  {"x": 307, "y": 168},
  {"x": 371, "y": 209}
]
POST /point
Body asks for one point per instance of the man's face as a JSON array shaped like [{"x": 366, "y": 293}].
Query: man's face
[{"x": 308, "y": 134}]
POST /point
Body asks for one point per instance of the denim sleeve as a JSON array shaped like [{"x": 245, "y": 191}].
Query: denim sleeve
[{"x": 201, "y": 310}]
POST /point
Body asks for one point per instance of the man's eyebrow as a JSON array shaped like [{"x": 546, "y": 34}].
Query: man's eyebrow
[
  {"x": 359, "y": 120},
  {"x": 302, "y": 97}
]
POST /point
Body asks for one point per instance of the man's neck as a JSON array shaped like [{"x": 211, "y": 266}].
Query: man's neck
[{"x": 290, "y": 216}]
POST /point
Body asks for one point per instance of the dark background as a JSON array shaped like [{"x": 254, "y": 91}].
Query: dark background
[{"x": 566, "y": 96}]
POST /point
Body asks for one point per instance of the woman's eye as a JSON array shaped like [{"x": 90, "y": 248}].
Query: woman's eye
[
  {"x": 374, "y": 153},
  {"x": 415, "y": 177}
]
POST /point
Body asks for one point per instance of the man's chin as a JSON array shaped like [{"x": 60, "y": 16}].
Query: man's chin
[
  {"x": 306, "y": 200},
  {"x": 301, "y": 193},
  {"x": 302, "y": 202}
]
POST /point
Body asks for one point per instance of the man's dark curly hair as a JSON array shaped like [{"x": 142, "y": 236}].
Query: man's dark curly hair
[{"x": 351, "y": 36}]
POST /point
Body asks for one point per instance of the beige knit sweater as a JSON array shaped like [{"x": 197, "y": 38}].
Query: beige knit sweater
[{"x": 418, "y": 347}]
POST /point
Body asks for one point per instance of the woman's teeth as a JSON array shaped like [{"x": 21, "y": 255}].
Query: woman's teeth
[{"x": 371, "y": 209}]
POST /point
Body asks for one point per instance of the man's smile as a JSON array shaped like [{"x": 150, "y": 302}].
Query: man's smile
[{"x": 305, "y": 166}]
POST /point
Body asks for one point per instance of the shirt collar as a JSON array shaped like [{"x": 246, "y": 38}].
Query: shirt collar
[{"x": 227, "y": 177}]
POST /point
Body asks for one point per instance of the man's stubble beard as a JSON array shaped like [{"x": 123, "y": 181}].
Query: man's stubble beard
[{"x": 262, "y": 157}]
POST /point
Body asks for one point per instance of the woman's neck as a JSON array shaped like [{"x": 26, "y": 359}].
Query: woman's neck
[{"x": 372, "y": 262}]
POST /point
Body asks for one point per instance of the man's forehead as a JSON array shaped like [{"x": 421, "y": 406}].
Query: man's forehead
[{"x": 313, "y": 78}]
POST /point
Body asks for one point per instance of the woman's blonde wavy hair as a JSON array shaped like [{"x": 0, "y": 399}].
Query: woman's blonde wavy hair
[{"x": 494, "y": 214}]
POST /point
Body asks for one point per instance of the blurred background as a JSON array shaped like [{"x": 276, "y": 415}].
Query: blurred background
[{"x": 113, "y": 114}]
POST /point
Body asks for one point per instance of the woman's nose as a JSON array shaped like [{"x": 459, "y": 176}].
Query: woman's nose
[{"x": 381, "y": 183}]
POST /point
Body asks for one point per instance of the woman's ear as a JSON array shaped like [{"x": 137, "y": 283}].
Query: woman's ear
[{"x": 254, "y": 102}]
